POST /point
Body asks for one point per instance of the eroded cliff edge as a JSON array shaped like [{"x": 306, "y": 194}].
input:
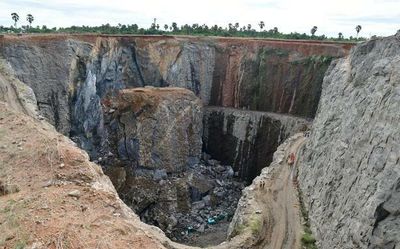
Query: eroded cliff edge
[{"x": 350, "y": 171}]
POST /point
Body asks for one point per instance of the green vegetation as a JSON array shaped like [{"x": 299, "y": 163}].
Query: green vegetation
[
  {"x": 11, "y": 214},
  {"x": 30, "y": 19},
  {"x": 239, "y": 229},
  {"x": 255, "y": 224},
  {"x": 232, "y": 30},
  {"x": 15, "y": 18},
  {"x": 358, "y": 29},
  {"x": 20, "y": 244},
  {"x": 307, "y": 240},
  {"x": 313, "y": 30}
]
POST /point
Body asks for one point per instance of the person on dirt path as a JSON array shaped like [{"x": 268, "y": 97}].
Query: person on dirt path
[{"x": 291, "y": 159}]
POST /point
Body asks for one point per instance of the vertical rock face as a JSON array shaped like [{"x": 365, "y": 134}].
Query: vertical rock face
[
  {"x": 46, "y": 67},
  {"x": 246, "y": 139},
  {"x": 153, "y": 138},
  {"x": 72, "y": 76},
  {"x": 156, "y": 128},
  {"x": 16, "y": 94},
  {"x": 269, "y": 79},
  {"x": 350, "y": 170}
]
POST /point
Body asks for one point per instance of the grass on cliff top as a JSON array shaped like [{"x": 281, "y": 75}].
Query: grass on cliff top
[{"x": 10, "y": 215}]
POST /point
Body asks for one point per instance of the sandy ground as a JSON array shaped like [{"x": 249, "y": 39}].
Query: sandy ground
[
  {"x": 276, "y": 205},
  {"x": 284, "y": 209}
]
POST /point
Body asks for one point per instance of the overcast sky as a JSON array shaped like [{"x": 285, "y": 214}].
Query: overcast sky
[{"x": 377, "y": 17}]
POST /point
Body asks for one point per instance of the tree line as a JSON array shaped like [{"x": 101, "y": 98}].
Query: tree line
[{"x": 231, "y": 30}]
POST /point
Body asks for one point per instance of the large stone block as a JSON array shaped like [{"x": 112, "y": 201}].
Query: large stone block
[{"x": 157, "y": 128}]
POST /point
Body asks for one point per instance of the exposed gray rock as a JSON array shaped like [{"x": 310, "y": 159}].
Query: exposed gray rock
[
  {"x": 350, "y": 170},
  {"x": 46, "y": 68},
  {"x": 75, "y": 193},
  {"x": 157, "y": 128},
  {"x": 193, "y": 69},
  {"x": 15, "y": 93},
  {"x": 246, "y": 139}
]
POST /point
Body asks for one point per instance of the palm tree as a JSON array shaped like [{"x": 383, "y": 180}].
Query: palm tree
[
  {"x": 166, "y": 27},
  {"x": 249, "y": 27},
  {"x": 237, "y": 25},
  {"x": 275, "y": 30},
  {"x": 358, "y": 29},
  {"x": 174, "y": 26},
  {"x": 30, "y": 19},
  {"x": 262, "y": 25},
  {"x": 313, "y": 30},
  {"x": 15, "y": 18},
  {"x": 340, "y": 36}
]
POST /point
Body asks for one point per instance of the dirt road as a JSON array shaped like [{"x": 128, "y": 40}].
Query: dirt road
[{"x": 281, "y": 212}]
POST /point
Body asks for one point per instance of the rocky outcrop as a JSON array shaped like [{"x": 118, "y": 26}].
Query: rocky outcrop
[
  {"x": 15, "y": 93},
  {"x": 350, "y": 167},
  {"x": 153, "y": 137},
  {"x": 156, "y": 128},
  {"x": 246, "y": 140},
  {"x": 46, "y": 67}
]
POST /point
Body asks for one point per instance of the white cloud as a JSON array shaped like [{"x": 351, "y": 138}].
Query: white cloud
[{"x": 378, "y": 17}]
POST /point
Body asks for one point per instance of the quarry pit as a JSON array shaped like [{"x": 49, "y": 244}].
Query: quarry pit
[{"x": 186, "y": 128}]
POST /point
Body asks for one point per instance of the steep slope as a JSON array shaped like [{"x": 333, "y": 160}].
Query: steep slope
[
  {"x": 51, "y": 196},
  {"x": 350, "y": 169}
]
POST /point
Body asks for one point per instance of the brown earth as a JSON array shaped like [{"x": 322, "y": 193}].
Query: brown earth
[
  {"x": 271, "y": 212},
  {"x": 53, "y": 197},
  {"x": 286, "y": 233},
  {"x": 307, "y": 47}
]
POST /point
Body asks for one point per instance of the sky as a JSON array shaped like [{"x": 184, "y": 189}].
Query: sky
[{"x": 377, "y": 17}]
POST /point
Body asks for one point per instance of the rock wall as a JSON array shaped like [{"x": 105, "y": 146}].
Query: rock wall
[
  {"x": 350, "y": 170},
  {"x": 16, "y": 94},
  {"x": 156, "y": 128},
  {"x": 246, "y": 140},
  {"x": 71, "y": 75}
]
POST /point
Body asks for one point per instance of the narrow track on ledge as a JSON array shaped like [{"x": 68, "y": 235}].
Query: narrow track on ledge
[{"x": 281, "y": 205}]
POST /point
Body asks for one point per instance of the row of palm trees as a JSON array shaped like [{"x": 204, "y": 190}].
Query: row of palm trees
[
  {"x": 261, "y": 24},
  {"x": 15, "y": 18},
  {"x": 340, "y": 35}
]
